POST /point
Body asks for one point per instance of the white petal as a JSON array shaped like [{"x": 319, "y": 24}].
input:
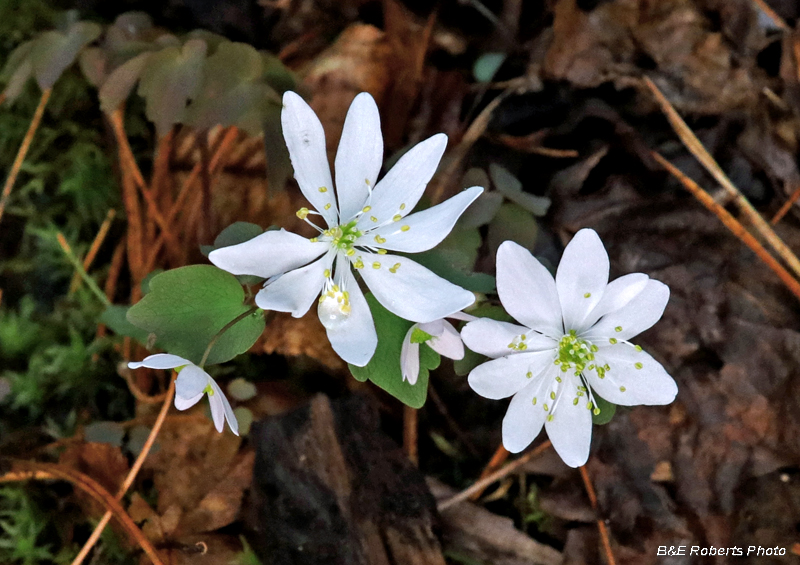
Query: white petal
[
  {"x": 448, "y": 343},
  {"x": 184, "y": 403},
  {"x": 412, "y": 291},
  {"x": 359, "y": 157},
  {"x": 160, "y": 361},
  {"x": 649, "y": 385},
  {"x": 305, "y": 140},
  {"x": 570, "y": 429},
  {"x": 644, "y": 310},
  {"x": 403, "y": 185},
  {"x": 581, "y": 277},
  {"x": 221, "y": 409},
  {"x": 409, "y": 357},
  {"x": 191, "y": 381},
  {"x": 527, "y": 289},
  {"x": 524, "y": 419},
  {"x": 617, "y": 294},
  {"x": 355, "y": 339},
  {"x": 295, "y": 291},
  {"x": 500, "y": 378},
  {"x": 492, "y": 338},
  {"x": 269, "y": 254},
  {"x": 463, "y": 316},
  {"x": 423, "y": 230}
]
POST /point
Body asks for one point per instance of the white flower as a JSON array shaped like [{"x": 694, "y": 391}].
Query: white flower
[
  {"x": 573, "y": 343},
  {"x": 192, "y": 383},
  {"x": 440, "y": 335},
  {"x": 366, "y": 221}
]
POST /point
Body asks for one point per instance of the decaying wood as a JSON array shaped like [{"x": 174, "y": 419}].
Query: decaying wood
[
  {"x": 330, "y": 488},
  {"x": 472, "y": 532}
]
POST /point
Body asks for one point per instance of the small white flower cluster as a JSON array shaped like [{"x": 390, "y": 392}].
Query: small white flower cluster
[{"x": 573, "y": 341}]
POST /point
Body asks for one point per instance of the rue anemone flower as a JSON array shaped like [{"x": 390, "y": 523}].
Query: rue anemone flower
[
  {"x": 440, "y": 335},
  {"x": 364, "y": 220},
  {"x": 192, "y": 383},
  {"x": 572, "y": 344}
]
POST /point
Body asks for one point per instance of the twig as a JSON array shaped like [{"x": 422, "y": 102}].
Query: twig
[
  {"x": 137, "y": 465},
  {"x": 138, "y": 393},
  {"x": 23, "y": 149},
  {"x": 500, "y": 456},
  {"x": 786, "y": 206},
  {"x": 80, "y": 270},
  {"x": 410, "y": 441},
  {"x": 601, "y": 525},
  {"x": 731, "y": 223},
  {"x": 222, "y": 150},
  {"x": 95, "y": 247},
  {"x": 696, "y": 148},
  {"x": 451, "y": 423},
  {"x": 26, "y": 470},
  {"x": 494, "y": 477}
]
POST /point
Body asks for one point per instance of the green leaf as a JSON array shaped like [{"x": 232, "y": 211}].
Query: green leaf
[
  {"x": 279, "y": 165},
  {"x": 54, "y": 51},
  {"x": 241, "y": 389},
  {"x": 384, "y": 367},
  {"x": 187, "y": 307},
  {"x": 276, "y": 74},
  {"x": 513, "y": 223},
  {"x": 170, "y": 79},
  {"x": 454, "y": 258},
  {"x": 509, "y": 186},
  {"x": 607, "y": 410},
  {"x": 232, "y": 93},
  {"x": 115, "y": 317},
  {"x": 120, "y": 82},
  {"x": 236, "y": 233},
  {"x": 17, "y": 70}
]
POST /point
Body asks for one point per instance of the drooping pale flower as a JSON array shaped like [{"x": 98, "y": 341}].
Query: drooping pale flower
[
  {"x": 364, "y": 221},
  {"x": 440, "y": 335},
  {"x": 573, "y": 344},
  {"x": 192, "y": 383}
]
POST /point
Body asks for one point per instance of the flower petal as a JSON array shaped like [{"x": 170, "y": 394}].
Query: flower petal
[
  {"x": 423, "y": 230},
  {"x": 491, "y": 338},
  {"x": 296, "y": 290},
  {"x": 191, "y": 381},
  {"x": 644, "y": 310},
  {"x": 523, "y": 420},
  {"x": 570, "y": 428},
  {"x": 409, "y": 357},
  {"x": 500, "y": 378},
  {"x": 355, "y": 339},
  {"x": 220, "y": 407},
  {"x": 411, "y": 291},
  {"x": 359, "y": 157},
  {"x": 269, "y": 254},
  {"x": 402, "y": 187},
  {"x": 448, "y": 343},
  {"x": 305, "y": 140},
  {"x": 527, "y": 289},
  {"x": 581, "y": 277},
  {"x": 617, "y": 294},
  {"x": 627, "y": 385},
  {"x": 184, "y": 403},
  {"x": 160, "y": 361}
]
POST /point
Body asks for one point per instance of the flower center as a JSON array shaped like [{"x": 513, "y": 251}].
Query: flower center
[
  {"x": 334, "y": 306},
  {"x": 344, "y": 236},
  {"x": 574, "y": 352}
]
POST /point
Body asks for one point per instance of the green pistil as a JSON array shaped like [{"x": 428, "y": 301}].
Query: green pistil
[
  {"x": 574, "y": 352},
  {"x": 208, "y": 390},
  {"x": 343, "y": 237}
]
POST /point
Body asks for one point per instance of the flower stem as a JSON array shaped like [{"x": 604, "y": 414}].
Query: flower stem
[
  {"x": 224, "y": 329},
  {"x": 62, "y": 241}
]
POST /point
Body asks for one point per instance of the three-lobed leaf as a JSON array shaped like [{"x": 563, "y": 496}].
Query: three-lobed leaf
[
  {"x": 187, "y": 307},
  {"x": 384, "y": 367}
]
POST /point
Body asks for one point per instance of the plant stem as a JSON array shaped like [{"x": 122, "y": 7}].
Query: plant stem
[
  {"x": 23, "y": 149},
  {"x": 224, "y": 329},
  {"x": 62, "y": 241}
]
